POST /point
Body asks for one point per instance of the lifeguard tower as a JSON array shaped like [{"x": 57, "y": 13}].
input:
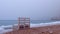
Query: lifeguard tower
[{"x": 23, "y": 23}]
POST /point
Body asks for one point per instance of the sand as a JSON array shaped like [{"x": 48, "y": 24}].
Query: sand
[{"x": 54, "y": 29}]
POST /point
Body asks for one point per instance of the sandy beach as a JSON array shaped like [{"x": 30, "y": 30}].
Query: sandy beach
[{"x": 54, "y": 29}]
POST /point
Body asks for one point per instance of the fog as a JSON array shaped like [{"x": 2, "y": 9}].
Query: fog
[{"x": 35, "y": 9}]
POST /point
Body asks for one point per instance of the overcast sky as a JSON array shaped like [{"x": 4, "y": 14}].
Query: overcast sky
[{"x": 35, "y": 9}]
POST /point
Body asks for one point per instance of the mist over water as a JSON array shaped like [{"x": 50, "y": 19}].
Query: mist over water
[{"x": 35, "y": 9}]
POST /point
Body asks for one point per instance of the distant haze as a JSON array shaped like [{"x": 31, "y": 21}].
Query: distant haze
[{"x": 35, "y": 9}]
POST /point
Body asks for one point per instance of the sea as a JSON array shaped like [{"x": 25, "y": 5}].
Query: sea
[
  {"x": 11, "y": 22},
  {"x": 6, "y": 25}
]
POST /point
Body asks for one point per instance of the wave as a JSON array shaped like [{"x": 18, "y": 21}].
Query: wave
[
  {"x": 45, "y": 24},
  {"x": 8, "y": 28},
  {"x": 4, "y": 29}
]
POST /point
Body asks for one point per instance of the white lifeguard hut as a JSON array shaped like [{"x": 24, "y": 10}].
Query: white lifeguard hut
[{"x": 23, "y": 23}]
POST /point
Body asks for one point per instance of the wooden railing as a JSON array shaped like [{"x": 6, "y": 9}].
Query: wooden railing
[{"x": 23, "y": 23}]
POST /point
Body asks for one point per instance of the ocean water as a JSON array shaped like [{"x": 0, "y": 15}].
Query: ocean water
[
  {"x": 6, "y": 25},
  {"x": 11, "y": 22}
]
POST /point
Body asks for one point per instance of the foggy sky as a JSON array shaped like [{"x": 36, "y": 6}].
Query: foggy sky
[{"x": 35, "y": 9}]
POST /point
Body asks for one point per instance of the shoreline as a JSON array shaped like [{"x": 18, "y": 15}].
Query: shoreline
[{"x": 55, "y": 29}]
